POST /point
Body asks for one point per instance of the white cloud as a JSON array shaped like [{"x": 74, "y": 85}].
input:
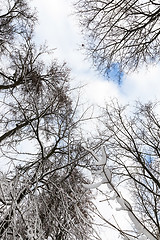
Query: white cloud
[
  {"x": 56, "y": 25},
  {"x": 142, "y": 85}
]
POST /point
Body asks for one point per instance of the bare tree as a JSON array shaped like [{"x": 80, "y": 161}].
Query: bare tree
[
  {"x": 131, "y": 160},
  {"x": 16, "y": 20},
  {"x": 39, "y": 143},
  {"x": 125, "y": 33},
  {"x": 41, "y": 193}
]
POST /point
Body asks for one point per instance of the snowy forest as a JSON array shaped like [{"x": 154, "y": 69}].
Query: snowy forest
[{"x": 60, "y": 158}]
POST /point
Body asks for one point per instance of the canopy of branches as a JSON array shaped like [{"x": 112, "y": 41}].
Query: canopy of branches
[
  {"x": 126, "y": 32},
  {"x": 130, "y": 159},
  {"x": 41, "y": 194}
]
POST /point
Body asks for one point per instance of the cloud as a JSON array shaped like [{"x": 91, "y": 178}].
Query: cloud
[
  {"x": 60, "y": 29},
  {"x": 142, "y": 85},
  {"x": 56, "y": 25}
]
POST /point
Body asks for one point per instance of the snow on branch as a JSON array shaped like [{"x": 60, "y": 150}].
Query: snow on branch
[
  {"x": 106, "y": 175},
  {"x": 99, "y": 162}
]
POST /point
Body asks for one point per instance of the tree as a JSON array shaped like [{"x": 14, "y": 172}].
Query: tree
[
  {"x": 16, "y": 20},
  {"x": 131, "y": 160},
  {"x": 41, "y": 194},
  {"x": 121, "y": 34},
  {"x": 57, "y": 208}
]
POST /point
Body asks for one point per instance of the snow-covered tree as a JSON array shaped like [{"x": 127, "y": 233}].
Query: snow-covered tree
[
  {"x": 129, "y": 167},
  {"x": 55, "y": 207},
  {"x": 40, "y": 189}
]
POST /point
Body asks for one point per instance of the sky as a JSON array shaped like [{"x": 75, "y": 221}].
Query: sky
[{"x": 60, "y": 29}]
